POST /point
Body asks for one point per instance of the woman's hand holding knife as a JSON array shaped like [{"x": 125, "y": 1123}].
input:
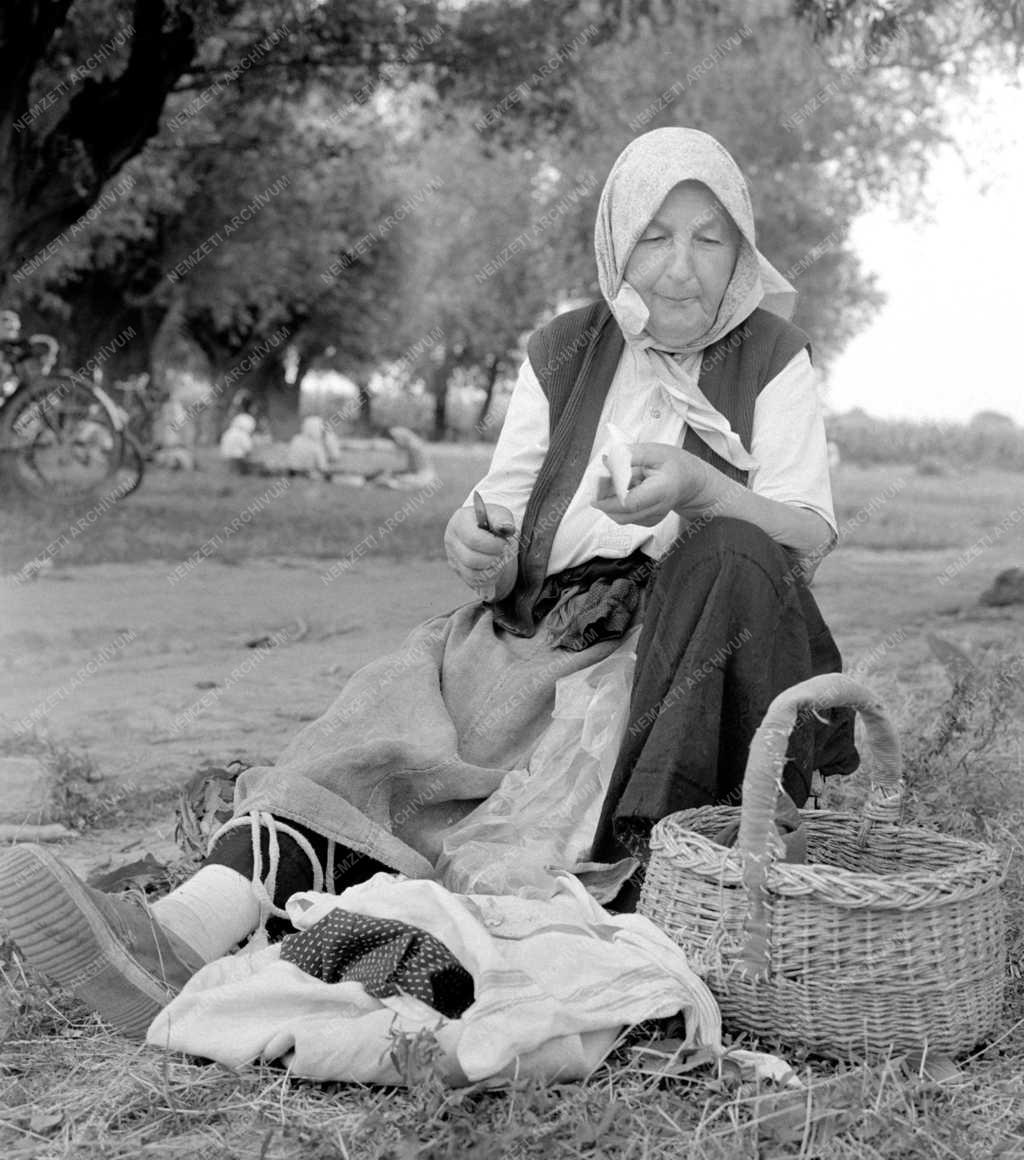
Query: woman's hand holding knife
[{"x": 481, "y": 546}]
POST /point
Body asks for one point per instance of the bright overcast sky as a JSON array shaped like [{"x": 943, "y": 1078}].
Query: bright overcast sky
[{"x": 950, "y": 340}]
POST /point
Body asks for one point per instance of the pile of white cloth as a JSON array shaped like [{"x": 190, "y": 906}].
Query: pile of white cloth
[{"x": 556, "y": 981}]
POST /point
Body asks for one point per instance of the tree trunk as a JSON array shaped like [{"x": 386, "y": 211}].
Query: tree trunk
[
  {"x": 492, "y": 377},
  {"x": 53, "y": 175},
  {"x": 301, "y": 370},
  {"x": 99, "y": 331},
  {"x": 254, "y": 363},
  {"x": 273, "y": 397},
  {"x": 364, "y": 416},
  {"x": 439, "y": 377},
  {"x": 211, "y": 419},
  {"x": 165, "y": 351},
  {"x": 279, "y": 399}
]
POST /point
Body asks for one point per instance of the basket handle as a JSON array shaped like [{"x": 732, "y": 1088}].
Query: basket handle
[{"x": 762, "y": 782}]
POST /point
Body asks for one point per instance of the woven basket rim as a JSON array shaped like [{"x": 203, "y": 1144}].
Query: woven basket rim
[{"x": 980, "y": 868}]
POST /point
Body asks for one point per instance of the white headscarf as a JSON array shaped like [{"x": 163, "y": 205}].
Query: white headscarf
[{"x": 640, "y": 180}]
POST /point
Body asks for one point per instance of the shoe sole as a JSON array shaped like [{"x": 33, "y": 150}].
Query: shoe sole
[{"x": 63, "y": 936}]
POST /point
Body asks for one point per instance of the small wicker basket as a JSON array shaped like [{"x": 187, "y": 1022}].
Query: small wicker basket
[{"x": 888, "y": 938}]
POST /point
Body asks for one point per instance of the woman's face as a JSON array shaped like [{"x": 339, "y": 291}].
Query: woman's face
[{"x": 682, "y": 263}]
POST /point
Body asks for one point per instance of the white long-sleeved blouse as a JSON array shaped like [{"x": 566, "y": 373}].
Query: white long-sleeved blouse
[{"x": 788, "y": 443}]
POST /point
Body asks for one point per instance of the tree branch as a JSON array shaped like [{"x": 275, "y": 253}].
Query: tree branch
[
  {"x": 25, "y": 31},
  {"x": 59, "y": 174}
]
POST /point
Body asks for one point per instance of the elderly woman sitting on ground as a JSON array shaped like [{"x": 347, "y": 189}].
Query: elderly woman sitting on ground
[{"x": 690, "y": 356}]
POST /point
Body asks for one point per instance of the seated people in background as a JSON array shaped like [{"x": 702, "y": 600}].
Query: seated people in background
[
  {"x": 418, "y": 470},
  {"x": 175, "y": 437},
  {"x": 236, "y": 444},
  {"x": 308, "y": 452}
]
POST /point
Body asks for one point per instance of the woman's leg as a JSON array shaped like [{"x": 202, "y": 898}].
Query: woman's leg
[
  {"x": 109, "y": 950},
  {"x": 726, "y": 628},
  {"x": 294, "y": 869},
  {"x": 125, "y": 958}
]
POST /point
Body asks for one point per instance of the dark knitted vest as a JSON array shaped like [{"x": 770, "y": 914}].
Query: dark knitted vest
[{"x": 575, "y": 357}]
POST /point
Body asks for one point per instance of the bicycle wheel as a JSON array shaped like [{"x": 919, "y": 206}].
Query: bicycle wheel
[
  {"x": 58, "y": 442},
  {"x": 132, "y": 468}
]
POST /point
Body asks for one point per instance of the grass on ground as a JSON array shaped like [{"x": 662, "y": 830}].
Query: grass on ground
[
  {"x": 885, "y": 507},
  {"x": 240, "y": 517},
  {"x": 69, "y": 1090}
]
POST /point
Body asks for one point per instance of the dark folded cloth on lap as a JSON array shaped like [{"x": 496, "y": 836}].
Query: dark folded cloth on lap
[{"x": 595, "y": 601}]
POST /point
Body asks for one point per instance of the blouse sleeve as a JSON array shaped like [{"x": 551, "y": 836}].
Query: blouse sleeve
[
  {"x": 789, "y": 444},
  {"x": 520, "y": 449}
]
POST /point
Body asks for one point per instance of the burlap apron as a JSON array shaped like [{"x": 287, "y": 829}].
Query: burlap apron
[{"x": 417, "y": 739}]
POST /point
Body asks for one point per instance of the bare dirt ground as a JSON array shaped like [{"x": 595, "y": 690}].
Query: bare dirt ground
[
  {"x": 186, "y": 690},
  {"x": 141, "y": 715}
]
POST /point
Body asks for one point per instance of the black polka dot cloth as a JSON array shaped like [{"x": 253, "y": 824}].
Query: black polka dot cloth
[{"x": 386, "y": 956}]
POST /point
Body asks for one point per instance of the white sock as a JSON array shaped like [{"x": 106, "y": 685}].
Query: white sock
[{"x": 212, "y": 911}]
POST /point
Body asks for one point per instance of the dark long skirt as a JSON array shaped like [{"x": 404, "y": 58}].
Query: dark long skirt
[{"x": 728, "y": 625}]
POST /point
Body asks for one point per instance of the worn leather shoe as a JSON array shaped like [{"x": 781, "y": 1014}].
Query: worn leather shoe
[{"x": 108, "y": 950}]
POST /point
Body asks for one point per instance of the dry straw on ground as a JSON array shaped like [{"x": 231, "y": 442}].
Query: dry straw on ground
[{"x": 70, "y": 1090}]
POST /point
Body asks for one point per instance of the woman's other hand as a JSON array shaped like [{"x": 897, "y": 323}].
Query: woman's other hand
[
  {"x": 486, "y": 561},
  {"x": 666, "y": 479}
]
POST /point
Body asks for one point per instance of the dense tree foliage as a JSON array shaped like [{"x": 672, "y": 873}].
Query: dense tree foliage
[{"x": 416, "y": 182}]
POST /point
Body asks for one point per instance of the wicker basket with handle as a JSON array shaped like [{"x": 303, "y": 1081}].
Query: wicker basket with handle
[{"x": 888, "y": 938}]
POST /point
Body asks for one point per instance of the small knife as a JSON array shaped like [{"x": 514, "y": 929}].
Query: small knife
[{"x": 483, "y": 520}]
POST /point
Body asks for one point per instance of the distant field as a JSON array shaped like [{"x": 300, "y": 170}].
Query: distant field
[
  {"x": 993, "y": 440},
  {"x": 889, "y": 507},
  {"x": 884, "y": 507},
  {"x": 173, "y": 515}
]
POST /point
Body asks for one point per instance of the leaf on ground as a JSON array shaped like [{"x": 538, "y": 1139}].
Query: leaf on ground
[
  {"x": 291, "y": 633},
  {"x": 8, "y": 1013},
  {"x": 43, "y": 1121},
  {"x": 337, "y": 630},
  {"x": 937, "y": 1068},
  {"x": 657, "y": 1046},
  {"x": 408, "y": 1147},
  {"x": 786, "y": 1117},
  {"x": 143, "y": 873},
  {"x": 958, "y": 665},
  {"x": 732, "y": 1073},
  {"x": 590, "y": 1135},
  {"x": 669, "y": 1057}
]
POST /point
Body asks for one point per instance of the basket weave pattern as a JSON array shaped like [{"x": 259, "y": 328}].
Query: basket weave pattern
[{"x": 889, "y": 937}]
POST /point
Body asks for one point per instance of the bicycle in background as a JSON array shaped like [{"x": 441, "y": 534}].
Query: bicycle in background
[
  {"x": 138, "y": 405},
  {"x": 62, "y": 439}
]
